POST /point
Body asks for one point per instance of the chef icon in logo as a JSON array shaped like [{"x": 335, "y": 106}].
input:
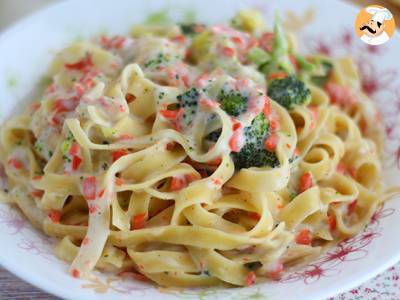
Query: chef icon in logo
[{"x": 375, "y": 25}]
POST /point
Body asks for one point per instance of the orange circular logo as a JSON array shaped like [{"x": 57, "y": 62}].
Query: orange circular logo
[{"x": 374, "y": 25}]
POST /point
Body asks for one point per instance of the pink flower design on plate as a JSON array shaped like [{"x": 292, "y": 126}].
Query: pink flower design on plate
[
  {"x": 343, "y": 252},
  {"x": 381, "y": 213},
  {"x": 39, "y": 247},
  {"x": 396, "y": 100},
  {"x": 376, "y": 50},
  {"x": 130, "y": 285},
  {"x": 373, "y": 80},
  {"x": 363, "y": 239},
  {"x": 346, "y": 37},
  {"x": 13, "y": 220},
  {"x": 320, "y": 46},
  {"x": 354, "y": 291},
  {"x": 390, "y": 103},
  {"x": 30, "y": 246},
  {"x": 397, "y": 155},
  {"x": 393, "y": 158},
  {"x": 310, "y": 274},
  {"x": 391, "y": 128}
]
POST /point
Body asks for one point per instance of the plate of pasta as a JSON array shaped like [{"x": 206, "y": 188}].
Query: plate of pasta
[{"x": 214, "y": 150}]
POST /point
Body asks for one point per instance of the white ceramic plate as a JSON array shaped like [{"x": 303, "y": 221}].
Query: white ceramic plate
[{"x": 27, "y": 48}]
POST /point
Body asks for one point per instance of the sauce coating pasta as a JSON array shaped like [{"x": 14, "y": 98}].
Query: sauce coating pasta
[{"x": 195, "y": 155}]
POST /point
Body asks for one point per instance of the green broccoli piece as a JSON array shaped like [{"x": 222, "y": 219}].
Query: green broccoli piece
[
  {"x": 233, "y": 102},
  {"x": 279, "y": 60},
  {"x": 304, "y": 64},
  {"x": 289, "y": 92},
  {"x": 189, "y": 102},
  {"x": 259, "y": 127},
  {"x": 325, "y": 68},
  {"x": 258, "y": 56},
  {"x": 280, "y": 52},
  {"x": 253, "y": 153}
]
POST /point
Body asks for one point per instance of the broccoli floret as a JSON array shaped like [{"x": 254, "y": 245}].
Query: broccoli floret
[
  {"x": 259, "y": 127},
  {"x": 233, "y": 102},
  {"x": 289, "y": 92},
  {"x": 189, "y": 102},
  {"x": 253, "y": 153}
]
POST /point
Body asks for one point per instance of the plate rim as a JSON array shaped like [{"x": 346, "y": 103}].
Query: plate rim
[{"x": 56, "y": 289}]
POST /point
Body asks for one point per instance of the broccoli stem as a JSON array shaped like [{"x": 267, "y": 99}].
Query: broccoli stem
[
  {"x": 304, "y": 65},
  {"x": 258, "y": 56},
  {"x": 280, "y": 52},
  {"x": 279, "y": 60}
]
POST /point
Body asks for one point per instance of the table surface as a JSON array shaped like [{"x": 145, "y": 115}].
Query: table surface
[
  {"x": 12, "y": 287},
  {"x": 384, "y": 286}
]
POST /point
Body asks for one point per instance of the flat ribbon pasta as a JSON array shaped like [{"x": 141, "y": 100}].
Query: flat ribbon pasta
[{"x": 133, "y": 159}]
